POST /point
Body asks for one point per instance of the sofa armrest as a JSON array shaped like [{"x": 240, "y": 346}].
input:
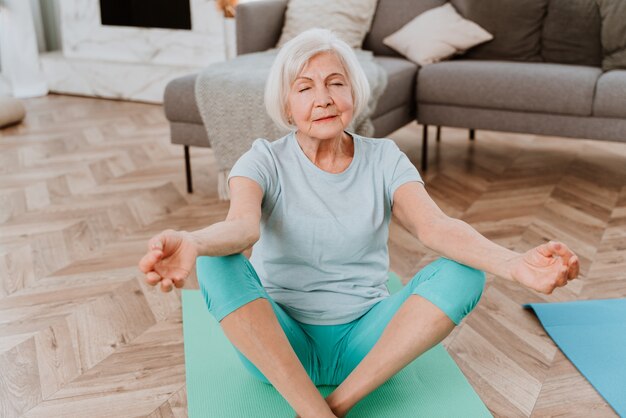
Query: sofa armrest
[{"x": 259, "y": 25}]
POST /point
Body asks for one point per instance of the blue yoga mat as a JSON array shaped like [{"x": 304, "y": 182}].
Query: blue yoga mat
[{"x": 592, "y": 334}]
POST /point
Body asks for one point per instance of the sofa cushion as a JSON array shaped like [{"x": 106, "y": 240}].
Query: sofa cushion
[
  {"x": 391, "y": 16},
  {"x": 571, "y": 33},
  {"x": 349, "y": 19},
  {"x": 610, "y": 100},
  {"x": 179, "y": 100},
  {"x": 400, "y": 90},
  {"x": 613, "y": 13},
  {"x": 436, "y": 35},
  {"x": 515, "y": 26},
  {"x": 526, "y": 87}
]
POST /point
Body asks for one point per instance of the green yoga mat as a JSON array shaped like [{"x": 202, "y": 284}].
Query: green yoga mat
[{"x": 218, "y": 385}]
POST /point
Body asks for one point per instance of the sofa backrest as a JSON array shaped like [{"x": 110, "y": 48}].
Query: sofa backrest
[
  {"x": 559, "y": 31},
  {"x": 514, "y": 24},
  {"x": 571, "y": 33}
]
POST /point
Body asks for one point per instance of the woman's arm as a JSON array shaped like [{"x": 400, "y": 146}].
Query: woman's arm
[
  {"x": 542, "y": 268},
  {"x": 241, "y": 229},
  {"x": 457, "y": 240},
  {"x": 453, "y": 238}
]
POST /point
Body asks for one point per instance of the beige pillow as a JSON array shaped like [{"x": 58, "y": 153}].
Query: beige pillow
[
  {"x": 349, "y": 19},
  {"x": 435, "y": 35},
  {"x": 11, "y": 111}
]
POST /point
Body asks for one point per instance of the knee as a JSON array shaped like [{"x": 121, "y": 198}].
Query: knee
[
  {"x": 471, "y": 279},
  {"x": 209, "y": 268},
  {"x": 215, "y": 275},
  {"x": 470, "y": 282},
  {"x": 455, "y": 288}
]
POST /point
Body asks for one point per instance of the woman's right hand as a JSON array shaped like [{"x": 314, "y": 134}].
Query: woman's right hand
[{"x": 171, "y": 256}]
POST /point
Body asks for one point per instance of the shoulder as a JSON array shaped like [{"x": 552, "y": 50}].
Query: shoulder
[
  {"x": 381, "y": 148},
  {"x": 267, "y": 147},
  {"x": 273, "y": 144},
  {"x": 260, "y": 162},
  {"x": 265, "y": 150},
  {"x": 374, "y": 143}
]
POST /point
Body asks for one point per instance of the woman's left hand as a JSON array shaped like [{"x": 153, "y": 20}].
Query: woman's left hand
[{"x": 545, "y": 267}]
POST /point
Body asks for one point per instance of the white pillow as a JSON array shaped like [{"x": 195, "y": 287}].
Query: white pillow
[
  {"x": 349, "y": 19},
  {"x": 435, "y": 35}
]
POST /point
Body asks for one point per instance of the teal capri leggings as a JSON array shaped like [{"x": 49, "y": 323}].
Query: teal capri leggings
[{"x": 330, "y": 352}]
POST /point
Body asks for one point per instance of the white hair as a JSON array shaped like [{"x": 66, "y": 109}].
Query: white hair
[{"x": 292, "y": 58}]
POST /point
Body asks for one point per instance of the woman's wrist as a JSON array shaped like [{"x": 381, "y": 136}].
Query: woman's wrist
[
  {"x": 505, "y": 267},
  {"x": 221, "y": 238},
  {"x": 194, "y": 239}
]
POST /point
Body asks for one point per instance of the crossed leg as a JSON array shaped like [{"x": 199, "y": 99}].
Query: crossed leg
[
  {"x": 441, "y": 294},
  {"x": 248, "y": 317},
  {"x": 414, "y": 329},
  {"x": 256, "y": 332}
]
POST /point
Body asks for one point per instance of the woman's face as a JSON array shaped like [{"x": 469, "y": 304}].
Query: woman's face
[{"x": 320, "y": 99}]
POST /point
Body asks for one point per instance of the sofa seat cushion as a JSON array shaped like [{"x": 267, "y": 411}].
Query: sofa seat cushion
[
  {"x": 610, "y": 100},
  {"x": 400, "y": 90},
  {"x": 179, "y": 100},
  {"x": 518, "y": 86}
]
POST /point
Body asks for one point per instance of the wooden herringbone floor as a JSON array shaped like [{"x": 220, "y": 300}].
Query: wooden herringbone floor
[{"x": 85, "y": 183}]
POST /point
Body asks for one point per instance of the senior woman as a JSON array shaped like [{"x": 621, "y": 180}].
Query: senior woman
[{"x": 311, "y": 306}]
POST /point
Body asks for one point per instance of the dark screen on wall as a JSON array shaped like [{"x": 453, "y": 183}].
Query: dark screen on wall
[{"x": 168, "y": 14}]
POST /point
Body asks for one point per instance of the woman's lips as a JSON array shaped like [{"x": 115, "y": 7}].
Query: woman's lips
[{"x": 325, "y": 119}]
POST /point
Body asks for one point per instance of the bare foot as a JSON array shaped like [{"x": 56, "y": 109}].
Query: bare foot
[{"x": 337, "y": 411}]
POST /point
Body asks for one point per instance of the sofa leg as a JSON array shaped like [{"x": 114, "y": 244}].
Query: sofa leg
[
  {"x": 438, "y": 133},
  {"x": 188, "y": 169},
  {"x": 424, "y": 147},
  {"x": 472, "y": 134}
]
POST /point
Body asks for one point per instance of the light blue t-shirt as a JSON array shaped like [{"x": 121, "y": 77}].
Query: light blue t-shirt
[{"x": 322, "y": 254}]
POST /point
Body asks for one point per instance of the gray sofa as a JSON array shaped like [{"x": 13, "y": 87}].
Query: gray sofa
[{"x": 541, "y": 74}]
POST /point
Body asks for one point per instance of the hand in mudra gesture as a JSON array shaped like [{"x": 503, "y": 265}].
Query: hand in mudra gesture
[
  {"x": 171, "y": 256},
  {"x": 545, "y": 267}
]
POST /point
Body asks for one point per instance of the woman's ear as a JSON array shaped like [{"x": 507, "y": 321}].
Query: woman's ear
[{"x": 288, "y": 114}]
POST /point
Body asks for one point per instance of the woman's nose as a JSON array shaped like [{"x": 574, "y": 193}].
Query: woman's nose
[{"x": 322, "y": 97}]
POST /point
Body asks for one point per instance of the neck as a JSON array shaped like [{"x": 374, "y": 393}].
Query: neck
[{"x": 326, "y": 150}]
